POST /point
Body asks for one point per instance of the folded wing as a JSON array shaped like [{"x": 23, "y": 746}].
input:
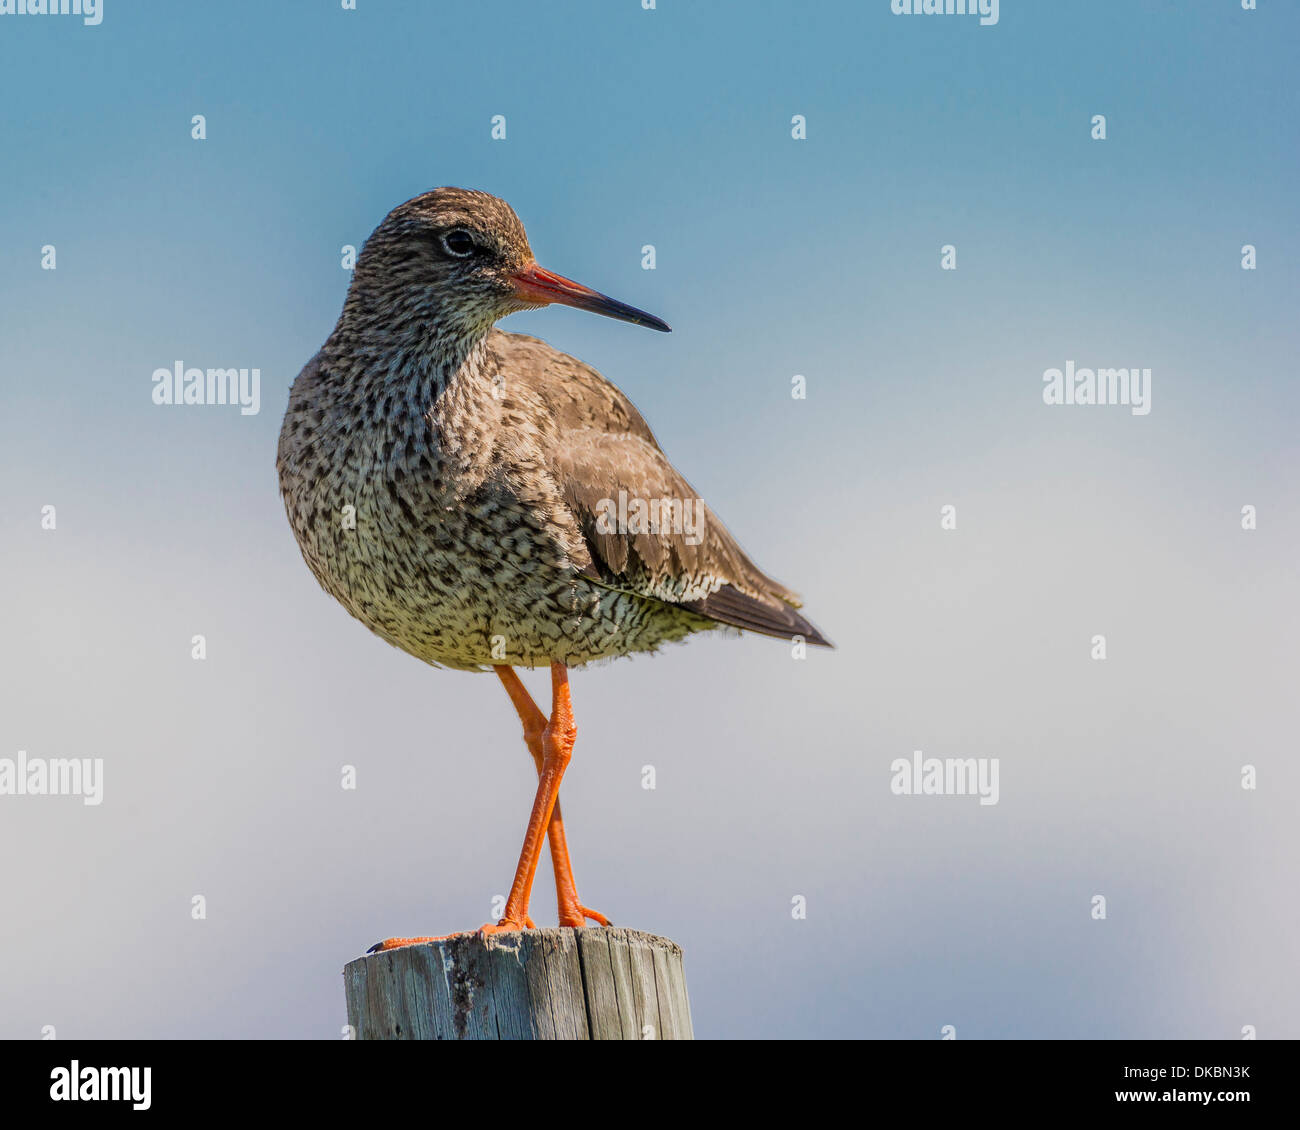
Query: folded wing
[{"x": 644, "y": 526}]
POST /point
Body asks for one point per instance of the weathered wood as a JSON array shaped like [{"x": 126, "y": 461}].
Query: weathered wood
[{"x": 601, "y": 983}]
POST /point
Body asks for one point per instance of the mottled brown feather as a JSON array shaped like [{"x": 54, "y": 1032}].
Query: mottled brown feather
[
  {"x": 444, "y": 479},
  {"x": 607, "y": 447}
]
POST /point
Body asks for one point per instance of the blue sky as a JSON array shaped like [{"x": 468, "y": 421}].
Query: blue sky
[{"x": 775, "y": 257}]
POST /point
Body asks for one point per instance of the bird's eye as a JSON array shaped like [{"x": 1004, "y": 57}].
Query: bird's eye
[{"x": 459, "y": 243}]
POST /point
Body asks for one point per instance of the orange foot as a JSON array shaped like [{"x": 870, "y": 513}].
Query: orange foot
[
  {"x": 398, "y": 943},
  {"x": 577, "y": 917},
  {"x": 505, "y": 926}
]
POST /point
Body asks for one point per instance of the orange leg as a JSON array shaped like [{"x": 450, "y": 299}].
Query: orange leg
[
  {"x": 557, "y": 738},
  {"x": 572, "y": 912},
  {"x": 557, "y": 748}
]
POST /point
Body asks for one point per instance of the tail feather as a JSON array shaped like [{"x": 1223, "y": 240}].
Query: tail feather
[{"x": 731, "y": 606}]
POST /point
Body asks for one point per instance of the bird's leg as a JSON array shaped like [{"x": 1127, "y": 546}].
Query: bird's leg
[
  {"x": 557, "y": 749},
  {"x": 556, "y": 742},
  {"x": 572, "y": 912}
]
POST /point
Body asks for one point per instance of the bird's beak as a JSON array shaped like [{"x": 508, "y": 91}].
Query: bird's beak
[{"x": 540, "y": 287}]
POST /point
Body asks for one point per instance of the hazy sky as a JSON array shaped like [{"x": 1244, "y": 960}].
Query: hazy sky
[{"x": 821, "y": 257}]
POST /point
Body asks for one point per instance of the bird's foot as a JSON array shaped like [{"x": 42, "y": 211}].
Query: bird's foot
[
  {"x": 506, "y": 926},
  {"x": 398, "y": 943},
  {"x": 500, "y": 927},
  {"x": 577, "y": 915}
]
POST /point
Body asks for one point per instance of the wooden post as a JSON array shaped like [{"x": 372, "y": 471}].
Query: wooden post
[{"x": 599, "y": 983}]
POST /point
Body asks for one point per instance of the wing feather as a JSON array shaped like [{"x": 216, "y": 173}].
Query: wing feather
[{"x": 604, "y": 451}]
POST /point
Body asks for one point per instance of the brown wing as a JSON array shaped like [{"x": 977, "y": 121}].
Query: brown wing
[{"x": 646, "y": 528}]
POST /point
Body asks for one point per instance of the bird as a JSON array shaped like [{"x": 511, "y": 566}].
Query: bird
[{"x": 483, "y": 501}]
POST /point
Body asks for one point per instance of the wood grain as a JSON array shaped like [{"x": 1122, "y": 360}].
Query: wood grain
[{"x": 602, "y": 983}]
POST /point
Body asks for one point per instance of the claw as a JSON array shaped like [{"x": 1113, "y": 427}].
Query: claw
[{"x": 577, "y": 918}]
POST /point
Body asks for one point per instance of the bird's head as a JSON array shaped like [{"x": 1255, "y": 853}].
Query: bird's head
[{"x": 454, "y": 261}]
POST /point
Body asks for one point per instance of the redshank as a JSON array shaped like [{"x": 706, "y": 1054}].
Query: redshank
[{"x": 482, "y": 500}]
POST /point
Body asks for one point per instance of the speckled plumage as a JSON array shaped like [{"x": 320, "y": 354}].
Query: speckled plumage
[{"x": 475, "y": 463}]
